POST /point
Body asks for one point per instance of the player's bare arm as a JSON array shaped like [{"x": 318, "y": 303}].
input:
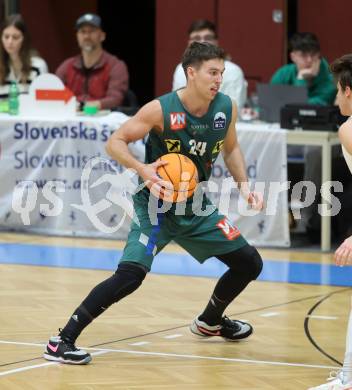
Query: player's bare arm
[
  {"x": 148, "y": 117},
  {"x": 234, "y": 161},
  {"x": 343, "y": 254},
  {"x": 345, "y": 135}
]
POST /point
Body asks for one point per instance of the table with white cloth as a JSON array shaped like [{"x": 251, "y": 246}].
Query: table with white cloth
[
  {"x": 45, "y": 187},
  {"x": 326, "y": 140}
]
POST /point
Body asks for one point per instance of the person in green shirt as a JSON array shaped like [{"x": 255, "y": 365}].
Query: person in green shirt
[{"x": 308, "y": 69}]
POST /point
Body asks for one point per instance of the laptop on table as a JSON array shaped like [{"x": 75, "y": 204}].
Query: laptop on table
[{"x": 272, "y": 97}]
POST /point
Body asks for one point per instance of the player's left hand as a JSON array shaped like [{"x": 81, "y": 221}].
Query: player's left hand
[
  {"x": 343, "y": 254},
  {"x": 255, "y": 200}
]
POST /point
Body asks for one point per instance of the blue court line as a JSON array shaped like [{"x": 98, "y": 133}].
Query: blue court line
[{"x": 172, "y": 264}]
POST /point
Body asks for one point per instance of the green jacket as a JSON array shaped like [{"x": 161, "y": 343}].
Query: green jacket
[{"x": 321, "y": 89}]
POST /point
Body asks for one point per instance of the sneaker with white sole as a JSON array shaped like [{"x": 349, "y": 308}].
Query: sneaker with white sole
[
  {"x": 334, "y": 383},
  {"x": 59, "y": 350},
  {"x": 231, "y": 330}
]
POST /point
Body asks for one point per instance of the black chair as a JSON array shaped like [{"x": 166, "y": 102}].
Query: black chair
[{"x": 129, "y": 105}]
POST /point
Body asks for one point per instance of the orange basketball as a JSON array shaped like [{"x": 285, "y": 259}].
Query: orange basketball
[{"x": 182, "y": 173}]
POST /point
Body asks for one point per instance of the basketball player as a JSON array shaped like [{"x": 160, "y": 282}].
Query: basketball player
[
  {"x": 342, "y": 71},
  {"x": 200, "y": 121}
]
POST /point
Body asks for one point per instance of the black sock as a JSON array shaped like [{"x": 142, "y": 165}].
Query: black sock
[
  {"x": 245, "y": 264},
  {"x": 78, "y": 321},
  {"x": 226, "y": 290},
  {"x": 88, "y": 310},
  {"x": 214, "y": 311},
  {"x": 127, "y": 279}
]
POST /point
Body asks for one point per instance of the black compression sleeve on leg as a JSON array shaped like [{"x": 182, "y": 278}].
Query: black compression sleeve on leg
[
  {"x": 128, "y": 277},
  {"x": 245, "y": 264}
]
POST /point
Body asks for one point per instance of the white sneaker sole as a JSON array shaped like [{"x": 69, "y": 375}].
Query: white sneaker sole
[
  {"x": 66, "y": 361},
  {"x": 194, "y": 329}
]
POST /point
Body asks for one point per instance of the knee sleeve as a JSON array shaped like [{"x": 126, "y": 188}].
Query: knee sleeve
[
  {"x": 255, "y": 264},
  {"x": 245, "y": 260},
  {"x": 127, "y": 278}
]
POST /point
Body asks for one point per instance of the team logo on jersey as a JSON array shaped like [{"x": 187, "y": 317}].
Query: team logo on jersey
[
  {"x": 173, "y": 145},
  {"x": 177, "y": 120},
  {"x": 219, "y": 121},
  {"x": 217, "y": 147},
  {"x": 231, "y": 232}
]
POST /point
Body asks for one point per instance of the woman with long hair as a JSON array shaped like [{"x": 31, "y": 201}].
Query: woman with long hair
[{"x": 18, "y": 61}]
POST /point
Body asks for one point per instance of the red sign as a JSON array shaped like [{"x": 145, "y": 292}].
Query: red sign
[{"x": 53, "y": 94}]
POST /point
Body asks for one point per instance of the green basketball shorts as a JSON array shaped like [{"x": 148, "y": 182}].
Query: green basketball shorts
[{"x": 201, "y": 236}]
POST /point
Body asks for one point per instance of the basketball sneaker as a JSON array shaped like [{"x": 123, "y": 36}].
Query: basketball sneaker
[
  {"x": 334, "y": 383},
  {"x": 231, "y": 330},
  {"x": 62, "y": 351}
]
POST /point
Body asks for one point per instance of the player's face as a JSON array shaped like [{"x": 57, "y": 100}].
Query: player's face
[
  {"x": 12, "y": 39},
  {"x": 208, "y": 77},
  {"x": 89, "y": 37},
  {"x": 304, "y": 60},
  {"x": 343, "y": 98}
]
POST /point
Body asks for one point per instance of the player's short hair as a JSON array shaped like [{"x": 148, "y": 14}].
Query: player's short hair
[
  {"x": 304, "y": 41},
  {"x": 202, "y": 24},
  {"x": 341, "y": 69},
  {"x": 198, "y": 52}
]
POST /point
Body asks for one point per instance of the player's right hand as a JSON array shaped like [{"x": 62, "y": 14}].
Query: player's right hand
[{"x": 157, "y": 186}]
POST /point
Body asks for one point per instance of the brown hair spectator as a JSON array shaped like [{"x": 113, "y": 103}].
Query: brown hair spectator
[{"x": 24, "y": 52}]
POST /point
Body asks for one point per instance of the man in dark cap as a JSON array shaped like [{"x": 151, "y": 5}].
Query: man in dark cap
[{"x": 96, "y": 77}]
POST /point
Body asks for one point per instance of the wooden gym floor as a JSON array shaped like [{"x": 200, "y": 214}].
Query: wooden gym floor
[{"x": 299, "y": 310}]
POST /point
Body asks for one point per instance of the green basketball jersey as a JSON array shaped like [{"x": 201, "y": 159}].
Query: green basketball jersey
[{"x": 199, "y": 138}]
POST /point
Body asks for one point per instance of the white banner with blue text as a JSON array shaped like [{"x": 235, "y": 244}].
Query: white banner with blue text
[{"x": 47, "y": 187}]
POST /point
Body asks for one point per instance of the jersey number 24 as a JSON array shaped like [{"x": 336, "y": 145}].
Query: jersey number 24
[{"x": 197, "y": 148}]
